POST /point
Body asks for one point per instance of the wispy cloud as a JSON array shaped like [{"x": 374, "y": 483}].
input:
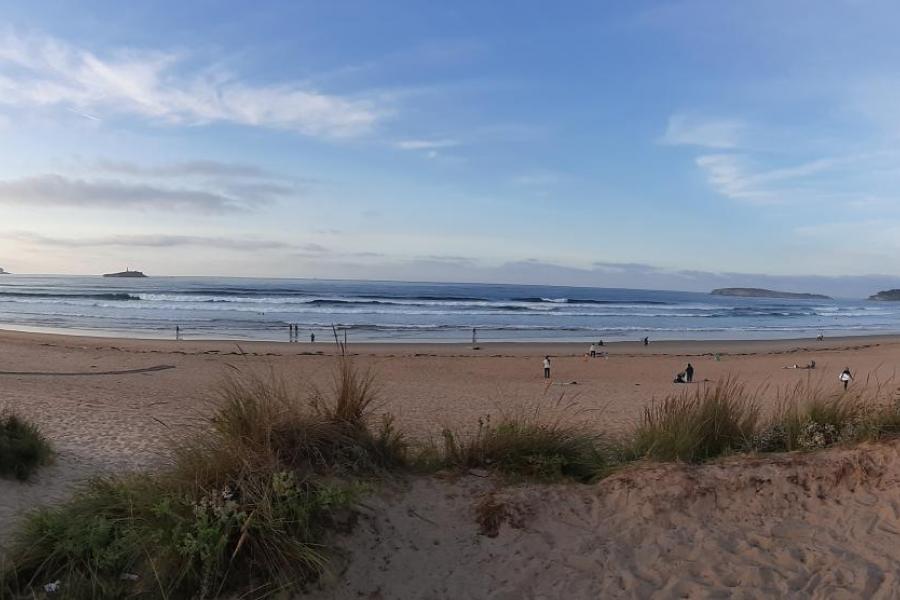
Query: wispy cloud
[
  {"x": 843, "y": 179},
  {"x": 41, "y": 71},
  {"x": 426, "y": 144},
  {"x": 54, "y": 190},
  {"x": 693, "y": 130},
  {"x": 191, "y": 168},
  {"x": 165, "y": 241}
]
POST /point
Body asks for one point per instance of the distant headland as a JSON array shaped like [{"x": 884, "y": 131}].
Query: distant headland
[
  {"x": 887, "y": 296},
  {"x": 2, "y": 272},
  {"x": 763, "y": 293},
  {"x": 126, "y": 273}
]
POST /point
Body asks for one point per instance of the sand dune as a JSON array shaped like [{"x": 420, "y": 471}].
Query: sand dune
[{"x": 823, "y": 525}]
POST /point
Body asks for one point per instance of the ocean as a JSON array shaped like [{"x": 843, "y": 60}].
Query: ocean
[{"x": 262, "y": 309}]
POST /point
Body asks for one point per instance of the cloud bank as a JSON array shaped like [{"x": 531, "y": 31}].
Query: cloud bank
[
  {"x": 53, "y": 190},
  {"x": 168, "y": 241},
  {"x": 197, "y": 186}
]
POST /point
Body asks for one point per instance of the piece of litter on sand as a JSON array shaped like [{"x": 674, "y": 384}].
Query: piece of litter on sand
[
  {"x": 52, "y": 587},
  {"x": 566, "y": 383}
]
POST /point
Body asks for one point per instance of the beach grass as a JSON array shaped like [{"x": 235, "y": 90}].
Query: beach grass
[
  {"x": 242, "y": 507},
  {"x": 533, "y": 443},
  {"x": 23, "y": 448},
  {"x": 695, "y": 426}
]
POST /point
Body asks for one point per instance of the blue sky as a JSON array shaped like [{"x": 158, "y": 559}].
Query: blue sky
[{"x": 641, "y": 144}]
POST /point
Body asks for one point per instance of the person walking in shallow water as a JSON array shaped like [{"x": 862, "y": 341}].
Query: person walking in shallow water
[
  {"x": 546, "y": 367},
  {"x": 846, "y": 377},
  {"x": 689, "y": 373}
]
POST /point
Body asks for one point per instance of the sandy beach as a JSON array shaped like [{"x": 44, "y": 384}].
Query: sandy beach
[{"x": 111, "y": 404}]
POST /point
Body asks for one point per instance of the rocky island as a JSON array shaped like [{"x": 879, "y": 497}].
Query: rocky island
[
  {"x": 886, "y": 296},
  {"x": 763, "y": 293},
  {"x": 126, "y": 273},
  {"x": 2, "y": 272}
]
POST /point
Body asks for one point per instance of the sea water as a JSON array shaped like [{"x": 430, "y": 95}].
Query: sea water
[{"x": 262, "y": 309}]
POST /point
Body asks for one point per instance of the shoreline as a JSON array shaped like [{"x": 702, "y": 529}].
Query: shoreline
[
  {"x": 326, "y": 346},
  {"x": 357, "y": 335}
]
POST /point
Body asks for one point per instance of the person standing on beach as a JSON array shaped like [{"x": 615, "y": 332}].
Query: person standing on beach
[
  {"x": 646, "y": 341},
  {"x": 474, "y": 336},
  {"x": 312, "y": 338},
  {"x": 546, "y": 367},
  {"x": 689, "y": 372},
  {"x": 846, "y": 377},
  {"x": 593, "y": 351}
]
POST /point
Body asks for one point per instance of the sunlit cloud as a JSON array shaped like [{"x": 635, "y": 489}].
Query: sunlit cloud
[{"x": 41, "y": 71}]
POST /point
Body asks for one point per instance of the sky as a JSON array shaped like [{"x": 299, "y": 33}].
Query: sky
[{"x": 678, "y": 144}]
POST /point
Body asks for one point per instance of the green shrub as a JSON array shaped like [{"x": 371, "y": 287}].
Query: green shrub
[
  {"x": 713, "y": 421},
  {"x": 23, "y": 449},
  {"x": 243, "y": 506}
]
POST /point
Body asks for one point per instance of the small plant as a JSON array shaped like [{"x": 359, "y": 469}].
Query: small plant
[
  {"x": 491, "y": 513},
  {"x": 692, "y": 428},
  {"x": 23, "y": 448},
  {"x": 814, "y": 436},
  {"x": 772, "y": 438}
]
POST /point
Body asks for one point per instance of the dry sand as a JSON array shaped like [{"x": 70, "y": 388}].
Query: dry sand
[
  {"x": 823, "y": 525},
  {"x": 736, "y": 529}
]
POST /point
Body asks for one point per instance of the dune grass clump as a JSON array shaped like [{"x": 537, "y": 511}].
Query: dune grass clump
[
  {"x": 23, "y": 448},
  {"x": 713, "y": 421},
  {"x": 242, "y": 508},
  {"x": 809, "y": 418},
  {"x": 530, "y": 445}
]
